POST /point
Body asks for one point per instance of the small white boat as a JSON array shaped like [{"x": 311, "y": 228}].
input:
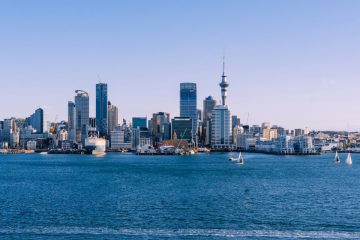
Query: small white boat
[
  {"x": 44, "y": 153},
  {"x": 337, "y": 158},
  {"x": 233, "y": 159},
  {"x": 203, "y": 150},
  {"x": 349, "y": 159},
  {"x": 240, "y": 159}
]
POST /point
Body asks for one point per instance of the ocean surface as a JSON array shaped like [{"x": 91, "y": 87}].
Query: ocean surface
[{"x": 205, "y": 196}]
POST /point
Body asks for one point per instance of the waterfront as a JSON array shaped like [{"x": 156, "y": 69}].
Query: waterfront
[{"x": 124, "y": 196}]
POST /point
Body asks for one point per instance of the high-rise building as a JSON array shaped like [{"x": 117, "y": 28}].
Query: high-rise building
[
  {"x": 8, "y": 128},
  {"x": 235, "y": 125},
  {"x": 235, "y": 121},
  {"x": 82, "y": 115},
  {"x": 188, "y": 106},
  {"x": 113, "y": 117},
  {"x": 221, "y": 119},
  {"x": 102, "y": 109},
  {"x": 1, "y": 133},
  {"x": 221, "y": 128},
  {"x": 299, "y": 132},
  {"x": 181, "y": 128},
  {"x": 15, "y": 138},
  {"x": 37, "y": 121},
  {"x": 140, "y": 122},
  {"x": 161, "y": 126},
  {"x": 71, "y": 121},
  {"x": 209, "y": 104},
  {"x": 199, "y": 115}
]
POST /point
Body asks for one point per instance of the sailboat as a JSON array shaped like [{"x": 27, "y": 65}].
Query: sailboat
[
  {"x": 337, "y": 158},
  {"x": 240, "y": 159},
  {"x": 349, "y": 159}
]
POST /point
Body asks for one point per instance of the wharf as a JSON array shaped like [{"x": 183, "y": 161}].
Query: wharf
[
  {"x": 15, "y": 151},
  {"x": 70, "y": 151}
]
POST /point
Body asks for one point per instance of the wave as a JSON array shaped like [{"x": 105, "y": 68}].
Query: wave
[{"x": 229, "y": 233}]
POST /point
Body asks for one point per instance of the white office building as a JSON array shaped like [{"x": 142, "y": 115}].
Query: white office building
[{"x": 221, "y": 127}]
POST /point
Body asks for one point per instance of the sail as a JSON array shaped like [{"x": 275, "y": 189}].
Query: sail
[
  {"x": 349, "y": 159},
  {"x": 240, "y": 159},
  {"x": 337, "y": 159}
]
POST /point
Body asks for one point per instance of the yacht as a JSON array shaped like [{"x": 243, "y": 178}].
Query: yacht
[
  {"x": 240, "y": 159},
  {"x": 349, "y": 159},
  {"x": 337, "y": 158}
]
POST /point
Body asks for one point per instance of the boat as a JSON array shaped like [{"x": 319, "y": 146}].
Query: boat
[
  {"x": 349, "y": 159},
  {"x": 203, "y": 150},
  {"x": 240, "y": 159},
  {"x": 95, "y": 145},
  {"x": 337, "y": 158},
  {"x": 232, "y": 159},
  {"x": 43, "y": 153},
  {"x": 167, "y": 149}
]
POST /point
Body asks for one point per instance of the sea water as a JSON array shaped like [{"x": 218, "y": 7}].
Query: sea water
[{"x": 205, "y": 196}]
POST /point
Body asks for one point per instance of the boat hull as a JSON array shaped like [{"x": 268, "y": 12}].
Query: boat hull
[{"x": 95, "y": 146}]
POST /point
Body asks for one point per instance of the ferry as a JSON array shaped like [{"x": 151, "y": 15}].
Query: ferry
[{"x": 95, "y": 145}]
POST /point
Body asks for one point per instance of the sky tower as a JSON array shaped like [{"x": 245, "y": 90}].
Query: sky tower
[{"x": 224, "y": 84}]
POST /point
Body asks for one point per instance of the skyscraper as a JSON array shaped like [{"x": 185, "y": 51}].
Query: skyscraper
[
  {"x": 235, "y": 121},
  {"x": 221, "y": 128},
  {"x": 71, "y": 121},
  {"x": 8, "y": 128},
  {"x": 181, "y": 128},
  {"x": 140, "y": 122},
  {"x": 113, "y": 117},
  {"x": 161, "y": 126},
  {"x": 37, "y": 121},
  {"x": 188, "y": 105},
  {"x": 82, "y": 115},
  {"x": 221, "y": 119},
  {"x": 209, "y": 104},
  {"x": 102, "y": 109}
]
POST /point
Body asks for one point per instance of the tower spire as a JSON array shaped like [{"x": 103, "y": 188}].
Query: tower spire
[
  {"x": 224, "y": 65},
  {"x": 223, "y": 84}
]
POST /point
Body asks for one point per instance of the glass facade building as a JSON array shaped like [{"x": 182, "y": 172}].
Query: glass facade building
[
  {"x": 37, "y": 120},
  {"x": 140, "y": 122},
  {"x": 82, "y": 115},
  {"x": 113, "y": 117},
  {"x": 188, "y": 105},
  {"x": 209, "y": 104},
  {"x": 181, "y": 128},
  {"x": 71, "y": 121},
  {"x": 161, "y": 126},
  {"x": 102, "y": 109}
]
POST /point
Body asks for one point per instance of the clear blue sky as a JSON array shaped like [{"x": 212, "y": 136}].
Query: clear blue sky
[{"x": 292, "y": 63}]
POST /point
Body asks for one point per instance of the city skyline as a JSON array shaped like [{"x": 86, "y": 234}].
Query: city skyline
[{"x": 301, "y": 72}]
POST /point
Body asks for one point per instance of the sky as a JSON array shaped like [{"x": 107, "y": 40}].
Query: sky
[{"x": 290, "y": 63}]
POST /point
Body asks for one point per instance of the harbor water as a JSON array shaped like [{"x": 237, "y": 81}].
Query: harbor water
[{"x": 203, "y": 196}]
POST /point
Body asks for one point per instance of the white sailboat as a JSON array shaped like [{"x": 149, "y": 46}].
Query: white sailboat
[
  {"x": 337, "y": 158},
  {"x": 349, "y": 159},
  {"x": 240, "y": 159}
]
